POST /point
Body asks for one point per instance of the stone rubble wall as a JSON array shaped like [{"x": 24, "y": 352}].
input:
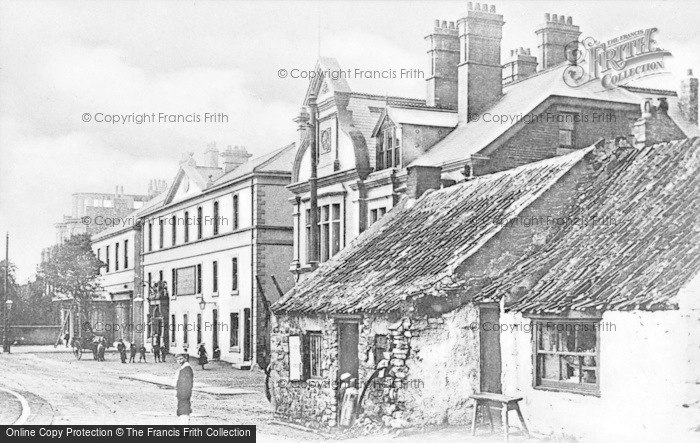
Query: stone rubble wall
[{"x": 434, "y": 368}]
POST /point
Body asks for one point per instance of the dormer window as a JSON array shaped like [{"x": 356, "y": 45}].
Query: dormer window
[{"x": 388, "y": 149}]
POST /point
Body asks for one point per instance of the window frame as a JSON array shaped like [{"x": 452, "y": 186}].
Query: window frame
[
  {"x": 234, "y": 275},
  {"x": 539, "y": 324},
  {"x": 234, "y": 336},
  {"x": 116, "y": 256},
  {"x": 235, "y": 212},
  {"x": 315, "y": 344},
  {"x": 161, "y": 233},
  {"x": 215, "y": 277},
  {"x": 126, "y": 254},
  {"x": 571, "y": 131},
  {"x": 173, "y": 234},
  {"x": 200, "y": 227},
  {"x": 215, "y": 211},
  {"x": 187, "y": 227},
  {"x": 107, "y": 258}
]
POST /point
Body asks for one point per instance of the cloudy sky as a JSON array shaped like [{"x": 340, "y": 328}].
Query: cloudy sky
[{"x": 59, "y": 60}]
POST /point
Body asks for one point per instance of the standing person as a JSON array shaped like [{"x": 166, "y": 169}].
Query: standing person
[
  {"x": 66, "y": 338},
  {"x": 202, "y": 355},
  {"x": 132, "y": 351},
  {"x": 156, "y": 348},
  {"x": 101, "y": 349},
  {"x": 121, "y": 347},
  {"x": 163, "y": 353},
  {"x": 142, "y": 353},
  {"x": 184, "y": 382}
]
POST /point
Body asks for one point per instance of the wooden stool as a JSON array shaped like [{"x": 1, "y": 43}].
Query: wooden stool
[{"x": 504, "y": 402}]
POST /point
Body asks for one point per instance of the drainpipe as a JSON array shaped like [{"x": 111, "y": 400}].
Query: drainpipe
[
  {"x": 313, "y": 250},
  {"x": 254, "y": 207}
]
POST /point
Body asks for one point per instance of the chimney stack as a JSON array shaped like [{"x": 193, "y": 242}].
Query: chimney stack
[
  {"x": 421, "y": 179},
  {"x": 520, "y": 65},
  {"x": 212, "y": 155},
  {"x": 480, "y": 71},
  {"x": 234, "y": 157},
  {"x": 688, "y": 98},
  {"x": 443, "y": 50},
  {"x": 553, "y": 36}
]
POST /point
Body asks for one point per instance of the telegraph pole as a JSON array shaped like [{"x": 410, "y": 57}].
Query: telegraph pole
[{"x": 5, "y": 328}]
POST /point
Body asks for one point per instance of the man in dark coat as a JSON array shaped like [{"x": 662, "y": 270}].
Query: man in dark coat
[
  {"x": 132, "y": 352},
  {"x": 142, "y": 353},
  {"x": 121, "y": 347},
  {"x": 156, "y": 348},
  {"x": 184, "y": 383}
]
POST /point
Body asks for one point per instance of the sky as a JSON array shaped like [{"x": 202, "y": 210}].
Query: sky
[{"x": 61, "y": 60}]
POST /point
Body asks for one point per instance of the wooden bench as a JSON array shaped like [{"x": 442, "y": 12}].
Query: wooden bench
[{"x": 486, "y": 400}]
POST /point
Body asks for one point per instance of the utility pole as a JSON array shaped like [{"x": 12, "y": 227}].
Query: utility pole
[
  {"x": 313, "y": 182},
  {"x": 5, "y": 329}
]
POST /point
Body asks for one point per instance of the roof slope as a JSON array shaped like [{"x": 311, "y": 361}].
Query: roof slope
[
  {"x": 639, "y": 261},
  {"x": 521, "y": 98},
  {"x": 419, "y": 243}
]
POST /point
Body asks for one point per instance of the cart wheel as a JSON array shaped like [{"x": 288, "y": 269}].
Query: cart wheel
[{"x": 78, "y": 353}]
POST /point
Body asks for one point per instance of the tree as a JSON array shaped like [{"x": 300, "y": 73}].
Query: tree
[
  {"x": 33, "y": 305},
  {"x": 72, "y": 273},
  {"x": 12, "y": 287}
]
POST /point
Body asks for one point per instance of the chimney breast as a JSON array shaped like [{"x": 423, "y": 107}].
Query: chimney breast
[
  {"x": 443, "y": 51},
  {"x": 480, "y": 72},
  {"x": 688, "y": 98},
  {"x": 234, "y": 157},
  {"x": 553, "y": 36},
  {"x": 520, "y": 65},
  {"x": 212, "y": 155}
]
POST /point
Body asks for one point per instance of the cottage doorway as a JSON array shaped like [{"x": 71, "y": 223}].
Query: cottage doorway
[
  {"x": 348, "y": 345},
  {"x": 490, "y": 348}
]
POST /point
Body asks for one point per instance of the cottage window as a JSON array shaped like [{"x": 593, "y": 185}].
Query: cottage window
[
  {"x": 567, "y": 355},
  {"x": 376, "y": 214},
  {"x": 567, "y": 123},
  {"x": 335, "y": 226},
  {"x": 312, "y": 355}
]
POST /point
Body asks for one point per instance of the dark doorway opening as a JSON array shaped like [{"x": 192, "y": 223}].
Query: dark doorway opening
[{"x": 490, "y": 349}]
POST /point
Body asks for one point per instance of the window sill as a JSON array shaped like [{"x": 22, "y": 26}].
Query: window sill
[
  {"x": 235, "y": 349},
  {"x": 214, "y": 294},
  {"x": 569, "y": 390},
  {"x": 233, "y": 293}
]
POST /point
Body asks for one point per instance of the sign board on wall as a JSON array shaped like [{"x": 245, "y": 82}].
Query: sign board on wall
[
  {"x": 185, "y": 281},
  {"x": 294, "y": 358}
]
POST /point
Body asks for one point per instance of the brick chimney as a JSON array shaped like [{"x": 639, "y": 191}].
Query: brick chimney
[
  {"x": 443, "y": 50},
  {"x": 520, "y": 65},
  {"x": 234, "y": 157},
  {"x": 421, "y": 179},
  {"x": 480, "y": 71},
  {"x": 553, "y": 36},
  {"x": 688, "y": 98},
  {"x": 212, "y": 155},
  {"x": 655, "y": 126}
]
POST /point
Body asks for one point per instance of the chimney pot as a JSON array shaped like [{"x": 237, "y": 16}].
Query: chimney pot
[
  {"x": 562, "y": 19},
  {"x": 546, "y": 17},
  {"x": 555, "y": 18},
  {"x": 493, "y": 9},
  {"x": 470, "y": 5},
  {"x": 690, "y": 72},
  {"x": 444, "y": 23},
  {"x": 478, "y": 7},
  {"x": 452, "y": 25},
  {"x": 437, "y": 23},
  {"x": 569, "y": 21}
]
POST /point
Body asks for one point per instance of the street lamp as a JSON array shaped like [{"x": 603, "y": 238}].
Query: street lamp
[
  {"x": 8, "y": 308},
  {"x": 202, "y": 303}
]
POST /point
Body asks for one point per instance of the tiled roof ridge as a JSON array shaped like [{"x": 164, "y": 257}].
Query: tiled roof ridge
[{"x": 650, "y": 90}]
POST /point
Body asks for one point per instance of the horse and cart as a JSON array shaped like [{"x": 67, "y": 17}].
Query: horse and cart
[{"x": 92, "y": 342}]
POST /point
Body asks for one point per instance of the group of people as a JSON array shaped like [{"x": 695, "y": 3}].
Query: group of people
[{"x": 159, "y": 353}]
